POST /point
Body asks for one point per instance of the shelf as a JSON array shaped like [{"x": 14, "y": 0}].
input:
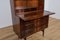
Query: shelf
[
  {"x": 24, "y": 13},
  {"x": 19, "y": 8}
]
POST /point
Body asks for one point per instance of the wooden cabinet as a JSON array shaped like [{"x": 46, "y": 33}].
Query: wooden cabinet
[
  {"x": 33, "y": 26},
  {"x": 32, "y": 17}
]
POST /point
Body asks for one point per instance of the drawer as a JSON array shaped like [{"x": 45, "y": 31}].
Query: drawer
[
  {"x": 26, "y": 25},
  {"x": 29, "y": 25},
  {"x": 27, "y": 32}
]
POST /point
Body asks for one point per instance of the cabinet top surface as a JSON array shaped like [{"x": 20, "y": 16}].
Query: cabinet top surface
[{"x": 45, "y": 13}]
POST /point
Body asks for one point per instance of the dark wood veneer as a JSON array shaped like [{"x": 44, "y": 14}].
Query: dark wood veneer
[{"x": 32, "y": 17}]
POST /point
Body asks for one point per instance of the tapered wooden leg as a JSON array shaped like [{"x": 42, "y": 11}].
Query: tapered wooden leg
[
  {"x": 43, "y": 32},
  {"x": 25, "y": 38}
]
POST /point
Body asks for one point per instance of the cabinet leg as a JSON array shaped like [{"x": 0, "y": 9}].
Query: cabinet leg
[
  {"x": 43, "y": 32},
  {"x": 18, "y": 38},
  {"x": 25, "y": 38}
]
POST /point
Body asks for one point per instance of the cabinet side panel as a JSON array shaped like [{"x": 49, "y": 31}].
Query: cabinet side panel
[
  {"x": 41, "y": 5},
  {"x": 15, "y": 19}
]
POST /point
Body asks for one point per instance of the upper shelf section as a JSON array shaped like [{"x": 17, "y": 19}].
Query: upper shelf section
[
  {"x": 29, "y": 3},
  {"x": 28, "y": 11}
]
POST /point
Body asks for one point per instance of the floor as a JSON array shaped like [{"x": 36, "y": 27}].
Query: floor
[{"x": 51, "y": 33}]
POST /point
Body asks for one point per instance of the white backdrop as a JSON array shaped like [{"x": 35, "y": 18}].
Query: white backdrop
[{"x": 5, "y": 13}]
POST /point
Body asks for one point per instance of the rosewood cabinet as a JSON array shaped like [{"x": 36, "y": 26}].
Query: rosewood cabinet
[{"x": 32, "y": 17}]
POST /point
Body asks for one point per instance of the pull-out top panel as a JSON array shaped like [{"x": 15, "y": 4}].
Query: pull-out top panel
[{"x": 34, "y": 16}]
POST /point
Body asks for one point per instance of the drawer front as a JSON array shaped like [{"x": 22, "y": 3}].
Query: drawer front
[
  {"x": 29, "y": 25},
  {"x": 42, "y": 27},
  {"x": 27, "y": 32},
  {"x": 26, "y": 25}
]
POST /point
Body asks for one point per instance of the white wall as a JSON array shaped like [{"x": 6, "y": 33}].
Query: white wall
[
  {"x": 54, "y": 6},
  {"x": 46, "y": 4},
  {"x": 5, "y": 13}
]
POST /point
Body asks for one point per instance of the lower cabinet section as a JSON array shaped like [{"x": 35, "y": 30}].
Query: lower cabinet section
[
  {"x": 33, "y": 26},
  {"x": 28, "y": 28}
]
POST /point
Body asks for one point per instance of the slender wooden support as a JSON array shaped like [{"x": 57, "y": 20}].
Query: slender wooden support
[
  {"x": 18, "y": 38},
  {"x": 43, "y": 32},
  {"x": 25, "y": 38}
]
